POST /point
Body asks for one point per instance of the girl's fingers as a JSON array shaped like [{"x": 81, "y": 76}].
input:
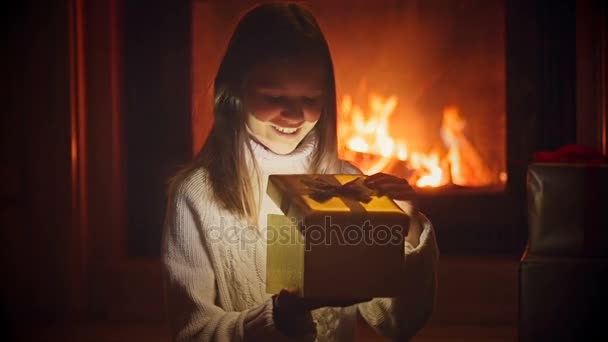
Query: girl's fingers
[
  {"x": 375, "y": 176},
  {"x": 385, "y": 184},
  {"x": 383, "y": 178},
  {"x": 397, "y": 193},
  {"x": 392, "y": 187},
  {"x": 382, "y": 181},
  {"x": 290, "y": 301},
  {"x": 313, "y": 304},
  {"x": 292, "y": 291}
]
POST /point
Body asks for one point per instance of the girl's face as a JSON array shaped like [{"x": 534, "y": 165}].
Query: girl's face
[{"x": 283, "y": 103}]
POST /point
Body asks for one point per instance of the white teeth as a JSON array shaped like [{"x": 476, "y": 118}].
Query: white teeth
[{"x": 285, "y": 130}]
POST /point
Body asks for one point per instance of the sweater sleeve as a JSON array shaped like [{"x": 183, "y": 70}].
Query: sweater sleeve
[
  {"x": 403, "y": 316},
  {"x": 190, "y": 284}
]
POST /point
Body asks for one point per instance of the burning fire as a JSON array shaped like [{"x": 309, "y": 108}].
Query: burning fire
[{"x": 368, "y": 143}]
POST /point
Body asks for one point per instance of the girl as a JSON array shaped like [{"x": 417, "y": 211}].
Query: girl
[{"x": 275, "y": 113}]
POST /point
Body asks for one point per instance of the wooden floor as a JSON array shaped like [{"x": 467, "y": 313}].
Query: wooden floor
[
  {"x": 477, "y": 301},
  {"x": 156, "y": 333}
]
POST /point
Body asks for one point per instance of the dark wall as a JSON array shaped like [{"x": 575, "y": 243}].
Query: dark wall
[
  {"x": 541, "y": 77},
  {"x": 35, "y": 167},
  {"x": 157, "y": 111},
  {"x": 40, "y": 243}
]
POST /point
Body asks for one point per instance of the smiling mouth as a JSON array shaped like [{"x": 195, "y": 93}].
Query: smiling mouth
[{"x": 285, "y": 130}]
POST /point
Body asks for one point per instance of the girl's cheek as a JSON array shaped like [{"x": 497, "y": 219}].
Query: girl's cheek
[
  {"x": 263, "y": 112},
  {"x": 312, "y": 115},
  {"x": 262, "y": 115}
]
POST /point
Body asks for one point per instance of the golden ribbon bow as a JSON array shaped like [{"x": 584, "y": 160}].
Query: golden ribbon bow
[{"x": 322, "y": 189}]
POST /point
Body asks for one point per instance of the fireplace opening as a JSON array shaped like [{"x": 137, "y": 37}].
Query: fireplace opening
[{"x": 421, "y": 90}]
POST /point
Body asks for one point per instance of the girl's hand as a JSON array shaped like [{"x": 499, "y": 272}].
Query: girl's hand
[
  {"x": 399, "y": 190},
  {"x": 292, "y": 312},
  {"x": 291, "y": 300},
  {"x": 391, "y": 186}
]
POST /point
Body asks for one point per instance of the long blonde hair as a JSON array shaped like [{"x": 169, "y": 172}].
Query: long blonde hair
[{"x": 268, "y": 32}]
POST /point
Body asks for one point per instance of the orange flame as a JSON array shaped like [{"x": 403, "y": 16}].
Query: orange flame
[{"x": 369, "y": 144}]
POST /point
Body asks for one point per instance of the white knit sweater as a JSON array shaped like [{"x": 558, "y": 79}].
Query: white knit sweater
[{"x": 215, "y": 269}]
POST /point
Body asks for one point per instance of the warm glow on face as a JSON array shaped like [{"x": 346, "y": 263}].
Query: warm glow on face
[{"x": 283, "y": 103}]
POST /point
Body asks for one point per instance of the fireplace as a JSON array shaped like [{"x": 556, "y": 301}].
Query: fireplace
[{"x": 421, "y": 94}]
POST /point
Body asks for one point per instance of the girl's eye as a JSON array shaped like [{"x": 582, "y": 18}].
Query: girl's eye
[
  {"x": 274, "y": 98},
  {"x": 311, "y": 100}
]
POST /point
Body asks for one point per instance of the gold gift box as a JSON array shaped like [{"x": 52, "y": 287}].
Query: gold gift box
[{"x": 336, "y": 246}]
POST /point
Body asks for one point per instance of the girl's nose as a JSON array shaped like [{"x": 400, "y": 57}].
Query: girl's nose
[{"x": 293, "y": 111}]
